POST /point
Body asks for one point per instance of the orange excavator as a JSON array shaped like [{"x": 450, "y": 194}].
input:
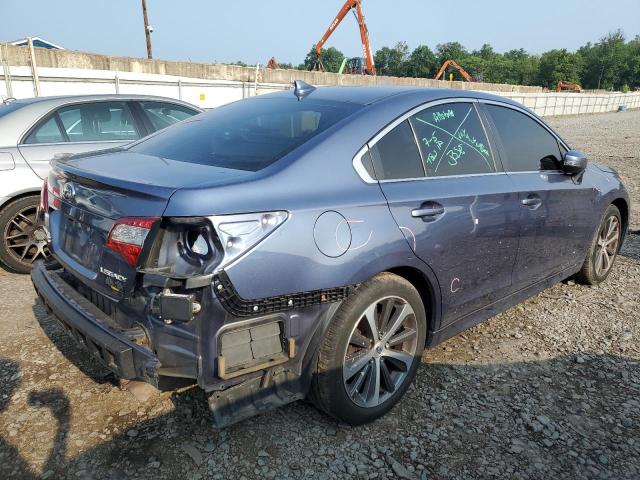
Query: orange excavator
[
  {"x": 273, "y": 64},
  {"x": 453, "y": 64},
  {"x": 568, "y": 86},
  {"x": 362, "y": 66}
]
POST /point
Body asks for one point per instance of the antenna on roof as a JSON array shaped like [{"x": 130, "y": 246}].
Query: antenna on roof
[{"x": 302, "y": 89}]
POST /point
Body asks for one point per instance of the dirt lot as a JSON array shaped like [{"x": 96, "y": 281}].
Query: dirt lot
[{"x": 549, "y": 389}]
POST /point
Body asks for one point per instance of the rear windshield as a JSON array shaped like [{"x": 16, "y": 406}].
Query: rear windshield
[{"x": 246, "y": 135}]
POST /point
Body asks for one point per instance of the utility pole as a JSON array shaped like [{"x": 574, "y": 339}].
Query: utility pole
[{"x": 147, "y": 28}]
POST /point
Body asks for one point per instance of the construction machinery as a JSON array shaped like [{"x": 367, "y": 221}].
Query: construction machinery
[
  {"x": 273, "y": 64},
  {"x": 568, "y": 87},
  {"x": 357, "y": 65},
  {"x": 451, "y": 63}
]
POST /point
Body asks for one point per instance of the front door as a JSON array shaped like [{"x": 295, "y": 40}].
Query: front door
[{"x": 556, "y": 210}]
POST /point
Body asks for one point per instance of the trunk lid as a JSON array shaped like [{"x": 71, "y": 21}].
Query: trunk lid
[{"x": 89, "y": 193}]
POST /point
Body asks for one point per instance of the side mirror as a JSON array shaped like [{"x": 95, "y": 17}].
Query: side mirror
[{"x": 574, "y": 162}]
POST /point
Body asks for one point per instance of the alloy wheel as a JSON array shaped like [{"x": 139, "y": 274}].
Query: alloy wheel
[
  {"x": 381, "y": 349},
  {"x": 25, "y": 238},
  {"x": 607, "y": 246}
]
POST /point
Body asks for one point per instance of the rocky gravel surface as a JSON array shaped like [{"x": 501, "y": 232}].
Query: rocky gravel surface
[{"x": 549, "y": 389}]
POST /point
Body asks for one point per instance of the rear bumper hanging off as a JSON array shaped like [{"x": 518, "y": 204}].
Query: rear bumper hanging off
[{"x": 92, "y": 328}]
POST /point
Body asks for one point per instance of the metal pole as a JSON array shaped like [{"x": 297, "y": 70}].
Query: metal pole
[
  {"x": 7, "y": 73},
  {"x": 34, "y": 68},
  {"x": 255, "y": 80},
  {"x": 147, "y": 28}
]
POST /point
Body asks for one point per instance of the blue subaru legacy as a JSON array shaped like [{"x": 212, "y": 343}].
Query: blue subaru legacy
[{"x": 313, "y": 242}]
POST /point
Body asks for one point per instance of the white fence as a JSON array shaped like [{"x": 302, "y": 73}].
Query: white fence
[
  {"x": 19, "y": 82},
  {"x": 565, "y": 103}
]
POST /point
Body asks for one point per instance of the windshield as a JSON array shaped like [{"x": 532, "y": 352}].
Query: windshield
[{"x": 246, "y": 135}]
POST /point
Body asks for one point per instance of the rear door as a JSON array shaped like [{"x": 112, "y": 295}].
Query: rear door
[
  {"x": 452, "y": 201},
  {"x": 79, "y": 128},
  {"x": 556, "y": 210}
]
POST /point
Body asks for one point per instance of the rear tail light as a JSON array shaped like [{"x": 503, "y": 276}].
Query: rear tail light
[
  {"x": 240, "y": 233},
  {"x": 44, "y": 198},
  {"x": 127, "y": 237}
]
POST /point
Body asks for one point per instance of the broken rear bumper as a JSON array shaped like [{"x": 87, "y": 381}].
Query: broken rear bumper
[{"x": 92, "y": 328}]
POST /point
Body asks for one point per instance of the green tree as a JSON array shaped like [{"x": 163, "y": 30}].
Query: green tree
[
  {"x": 523, "y": 68},
  {"x": 556, "y": 65},
  {"x": 392, "y": 61},
  {"x": 422, "y": 63},
  {"x": 331, "y": 59},
  {"x": 450, "y": 51},
  {"x": 605, "y": 62}
]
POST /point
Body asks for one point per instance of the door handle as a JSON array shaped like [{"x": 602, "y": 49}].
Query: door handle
[
  {"x": 531, "y": 201},
  {"x": 427, "y": 212}
]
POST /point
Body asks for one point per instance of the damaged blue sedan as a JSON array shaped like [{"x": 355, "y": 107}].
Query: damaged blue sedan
[{"x": 312, "y": 243}]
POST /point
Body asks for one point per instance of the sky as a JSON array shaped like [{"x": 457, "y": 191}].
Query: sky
[{"x": 255, "y": 30}]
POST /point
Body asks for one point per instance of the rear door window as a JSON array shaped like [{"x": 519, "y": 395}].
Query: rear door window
[
  {"x": 98, "y": 122},
  {"x": 395, "y": 156},
  {"x": 46, "y": 132},
  {"x": 162, "y": 114},
  {"x": 452, "y": 140},
  {"x": 528, "y": 146}
]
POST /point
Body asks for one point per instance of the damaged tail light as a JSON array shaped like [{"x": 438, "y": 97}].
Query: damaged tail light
[
  {"x": 127, "y": 237},
  {"x": 240, "y": 233}
]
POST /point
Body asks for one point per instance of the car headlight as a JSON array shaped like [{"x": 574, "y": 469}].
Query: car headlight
[{"x": 240, "y": 233}]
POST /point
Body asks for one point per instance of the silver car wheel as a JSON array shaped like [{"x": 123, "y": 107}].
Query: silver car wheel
[
  {"x": 381, "y": 349},
  {"x": 607, "y": 246}
]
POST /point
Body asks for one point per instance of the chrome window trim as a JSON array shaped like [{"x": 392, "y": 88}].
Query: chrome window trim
[
  {"x": 362, "y": 173},
  {"x": 413, "y": 111},
  {"x": 393, "y": 180},
  {"x": 359, "y": 167},
  {"x": 29, "y": 145}
]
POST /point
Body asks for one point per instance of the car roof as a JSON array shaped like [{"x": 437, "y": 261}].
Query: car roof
[
  {"x": 64, "y": 99},
  {"x": 367, "y": 95}
]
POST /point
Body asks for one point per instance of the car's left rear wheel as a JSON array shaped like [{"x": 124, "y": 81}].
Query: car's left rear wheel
[{"x": 371, "y": 351}]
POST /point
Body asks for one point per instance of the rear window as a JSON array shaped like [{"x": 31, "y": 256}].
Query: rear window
[{"x": 248, "y": 135}]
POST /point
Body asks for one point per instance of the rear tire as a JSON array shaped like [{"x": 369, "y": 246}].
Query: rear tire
[
  {"x": 603, "y": 250},
  {"x": 371, "y": 351},
  {"x": 24, "y": 239}
]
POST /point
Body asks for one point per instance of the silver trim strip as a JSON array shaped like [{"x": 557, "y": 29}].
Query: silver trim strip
[
  {"x": 359, "y": 166},
  {"x": 413, "y": 111},
  {"x": 364, "y": 175},
  {"x": 443, "y": 176}
]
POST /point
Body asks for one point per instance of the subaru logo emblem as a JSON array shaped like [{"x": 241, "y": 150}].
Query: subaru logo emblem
[{"x": 68, "y": 191}]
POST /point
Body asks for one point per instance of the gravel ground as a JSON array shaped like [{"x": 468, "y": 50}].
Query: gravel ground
[{"x": 549, "y": 389}]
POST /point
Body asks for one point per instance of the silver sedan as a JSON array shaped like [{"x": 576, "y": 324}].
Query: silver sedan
[{"x": 35, "y": 130}]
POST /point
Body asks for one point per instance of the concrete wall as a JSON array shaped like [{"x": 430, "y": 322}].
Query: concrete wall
[{"x": 63, "y": 72}]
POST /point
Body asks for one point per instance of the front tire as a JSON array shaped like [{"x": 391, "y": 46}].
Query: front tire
[
  {"x": 603, "y": 250},
  {"x": 371, "y": 351},
  {"x": 24, "y": 239}
]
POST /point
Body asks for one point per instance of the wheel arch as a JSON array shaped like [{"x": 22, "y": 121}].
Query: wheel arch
[
  {"x": 622, "y": 205},
  {"x": 15, "y": 198},
  {"x": 429, "y": 292}
]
